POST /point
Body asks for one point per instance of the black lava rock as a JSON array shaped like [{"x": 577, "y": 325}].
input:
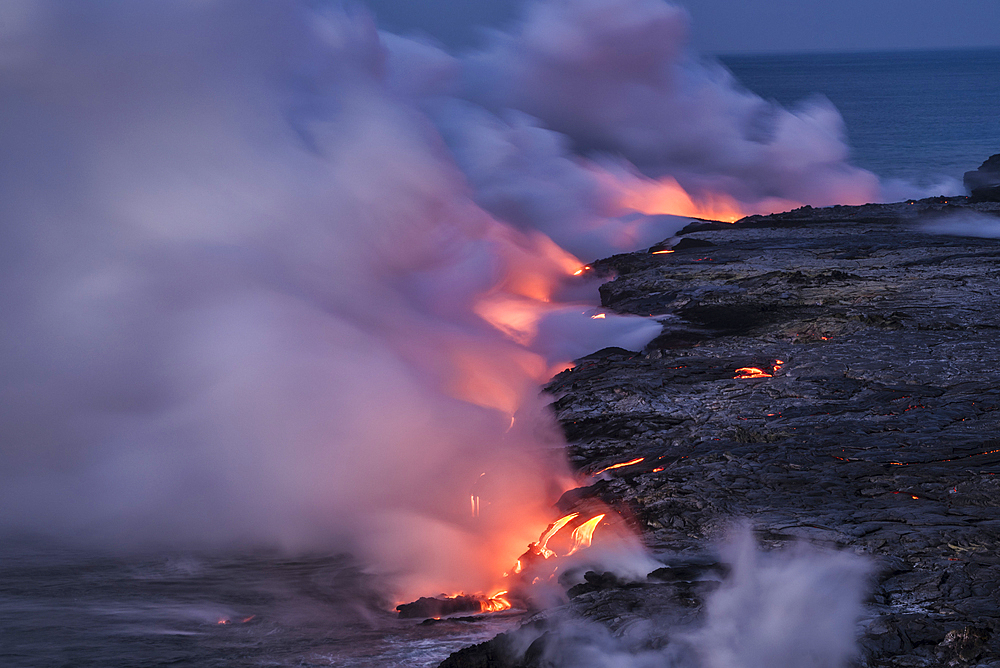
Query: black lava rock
[{"x": 984, "y": 183}]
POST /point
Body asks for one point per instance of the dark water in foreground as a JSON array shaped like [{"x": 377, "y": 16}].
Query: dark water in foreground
[
  {"x": 921, "y": 116},
  {"x": 77, "y": 610}
]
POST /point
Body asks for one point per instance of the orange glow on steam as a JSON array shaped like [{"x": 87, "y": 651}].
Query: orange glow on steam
[{"x": 667, "y": 196}]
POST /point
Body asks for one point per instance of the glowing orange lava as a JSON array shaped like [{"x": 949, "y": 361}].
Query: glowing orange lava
[
  {"x": 621, "y": 465},
  {"x": 543, "y": 541},
  {"x": 538, "y": 564},
  {"x": 746, "y": 372},
  {"x": 496, "y": 603},
  {"x": 583, "y": 535},
  {"x": 750, "y": 372},
  {"x": 662, "y": 252}
]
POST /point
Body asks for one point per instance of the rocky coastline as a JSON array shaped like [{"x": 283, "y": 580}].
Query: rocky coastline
[{"x": 873, "y": 425}]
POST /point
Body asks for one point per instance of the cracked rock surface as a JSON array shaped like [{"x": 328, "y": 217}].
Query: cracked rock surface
[{"x": 873, "y": 425}]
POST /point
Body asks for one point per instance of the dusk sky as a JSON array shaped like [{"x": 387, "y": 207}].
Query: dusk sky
[{"x": 742, "y": 26}]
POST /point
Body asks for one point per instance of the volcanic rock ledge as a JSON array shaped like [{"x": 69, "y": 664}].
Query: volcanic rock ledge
[
  {"x": 984, "y": 183},
  {"x": 874, "y": 425}
]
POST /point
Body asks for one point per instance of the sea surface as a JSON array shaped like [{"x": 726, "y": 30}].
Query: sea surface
[
  {"x": 75, "y": 609},
  {"x": 921, "y": 117}
]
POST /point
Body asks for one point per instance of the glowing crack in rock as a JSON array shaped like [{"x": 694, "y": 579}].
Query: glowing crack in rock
[{"x": 621, "y": 465}]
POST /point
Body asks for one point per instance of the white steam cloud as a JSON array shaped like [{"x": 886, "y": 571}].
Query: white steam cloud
[
  {"x": 267, "y": 275},
  {"x": 796, "y": 607},
  {"x": 616, "y": 76},
  {"x": 965, "y": 224},
  {"x": 799, "y": 607},
  {"x": 241, "y": 293},
  {"x": 585, "y": 99}
]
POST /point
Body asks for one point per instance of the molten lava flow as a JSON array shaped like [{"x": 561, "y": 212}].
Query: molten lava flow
[
  {"x": 539, "y": 564},
  {"x": 583, "y": 535},
  {"x": 754, "y": 372},
  {"x": 599, "y": 316},
  {"x": 496, "y": 603},
  {"x": 662, "y": 252},
  {"x": 542, "y": 546},
  {"x": 750, "y": 372},
  {"x": 621, "y": 465}
]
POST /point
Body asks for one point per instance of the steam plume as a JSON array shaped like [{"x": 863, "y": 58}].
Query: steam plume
[
  {"x": 965, "y": 224},
  {"x": 241, "y": 287},
  {"x": 589, "y": 109},
  {"x": 270, "y": 276}
]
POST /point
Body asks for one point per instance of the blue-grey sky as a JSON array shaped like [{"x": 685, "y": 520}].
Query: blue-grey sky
[{"x": 742, "y": 26}]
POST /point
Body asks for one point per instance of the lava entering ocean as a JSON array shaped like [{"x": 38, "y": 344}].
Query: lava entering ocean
[
  {"x": 544, "y": 567},
  {"x": 275, "y": 277}
]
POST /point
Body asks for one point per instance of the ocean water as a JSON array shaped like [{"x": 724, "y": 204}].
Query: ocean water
[
  {"x": 921, "y": 116},
  {"x": 256, "y": 608}
]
